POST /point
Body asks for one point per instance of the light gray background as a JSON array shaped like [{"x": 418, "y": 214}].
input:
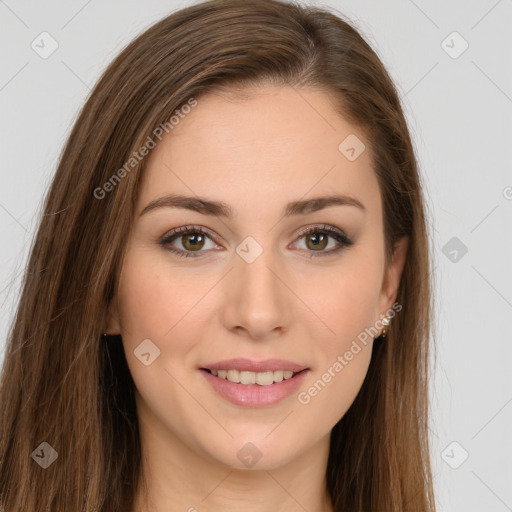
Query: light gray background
[{"x": 460, "y": 114}]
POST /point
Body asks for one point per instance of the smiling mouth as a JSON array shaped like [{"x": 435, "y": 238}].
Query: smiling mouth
[{"x": 249, "y": 378}]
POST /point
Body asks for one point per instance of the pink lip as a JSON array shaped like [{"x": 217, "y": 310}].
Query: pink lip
[
  {"x": 268, "y": 365},
  {"x": 254, "y": 395}
]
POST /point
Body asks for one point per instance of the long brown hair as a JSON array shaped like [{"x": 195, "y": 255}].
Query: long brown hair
[{"x": 63, "y": 385}]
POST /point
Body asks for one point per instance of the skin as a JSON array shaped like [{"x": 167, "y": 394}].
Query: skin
[{"x": 255, "y": 153}]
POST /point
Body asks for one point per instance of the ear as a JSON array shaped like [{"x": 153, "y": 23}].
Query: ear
[
  {"x": 393, "y": 274},
  {"x": 113, "y": 324}
]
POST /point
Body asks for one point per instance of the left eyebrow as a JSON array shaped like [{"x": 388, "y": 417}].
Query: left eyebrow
[
  {"x": 221, "y": 209},
  {"x": 319, "y": 203}
]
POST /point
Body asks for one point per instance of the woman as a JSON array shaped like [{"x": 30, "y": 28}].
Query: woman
[{"x": 227, "y": 304}]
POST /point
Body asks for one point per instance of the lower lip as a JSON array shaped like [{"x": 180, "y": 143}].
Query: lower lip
[{"x": 254, "y": 395}]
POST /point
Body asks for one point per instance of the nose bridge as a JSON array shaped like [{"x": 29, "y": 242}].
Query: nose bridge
[
  {"x": 253, "y": 272},
  {"x": 256, "y": 297}
]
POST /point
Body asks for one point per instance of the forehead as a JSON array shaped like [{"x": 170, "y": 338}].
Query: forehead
[{"x": 267, "y": 145}]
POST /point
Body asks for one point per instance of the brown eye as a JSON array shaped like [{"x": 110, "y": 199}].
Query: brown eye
[
  {"x": 193, "y": 242},
  {"x": 187, "y": 241},
  {"x": 317, "y": 241}
]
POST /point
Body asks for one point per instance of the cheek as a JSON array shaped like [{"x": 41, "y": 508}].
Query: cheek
[
  {"x": 327, "y": 396},
  {"x": 346, "y": 301},
  {"x": 171, "y": 307},
  {"x": 347, "y": 308},
  {"x": 160, "y": 307},
  {"x": 155, "y": 304}
]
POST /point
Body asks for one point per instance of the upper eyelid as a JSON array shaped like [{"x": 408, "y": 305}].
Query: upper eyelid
[
  {"x": 186, "y": 229},
  {"x": 175, "y": 234}
]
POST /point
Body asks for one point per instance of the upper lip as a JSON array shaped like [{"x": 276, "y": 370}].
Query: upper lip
[{"x": 268, "y": 365}]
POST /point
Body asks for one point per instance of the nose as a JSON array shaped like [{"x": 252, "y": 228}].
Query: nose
[{"x": 257, "y": 301}]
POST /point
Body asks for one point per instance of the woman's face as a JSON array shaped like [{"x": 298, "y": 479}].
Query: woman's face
[{"x": 251, "y": 285}]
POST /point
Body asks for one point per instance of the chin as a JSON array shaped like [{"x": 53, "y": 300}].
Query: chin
[{"x": 256, "y": 453}]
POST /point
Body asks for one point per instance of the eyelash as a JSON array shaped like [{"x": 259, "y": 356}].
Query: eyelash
[{"x": 339, "y": 236}]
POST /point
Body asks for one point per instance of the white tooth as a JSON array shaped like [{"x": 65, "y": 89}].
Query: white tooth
[
  {"x": 234, "y": 375},
  {"x": 264, "y": 378},
  {"x": 278, "y": 376},
  {"x": 247, "y": 377}
]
